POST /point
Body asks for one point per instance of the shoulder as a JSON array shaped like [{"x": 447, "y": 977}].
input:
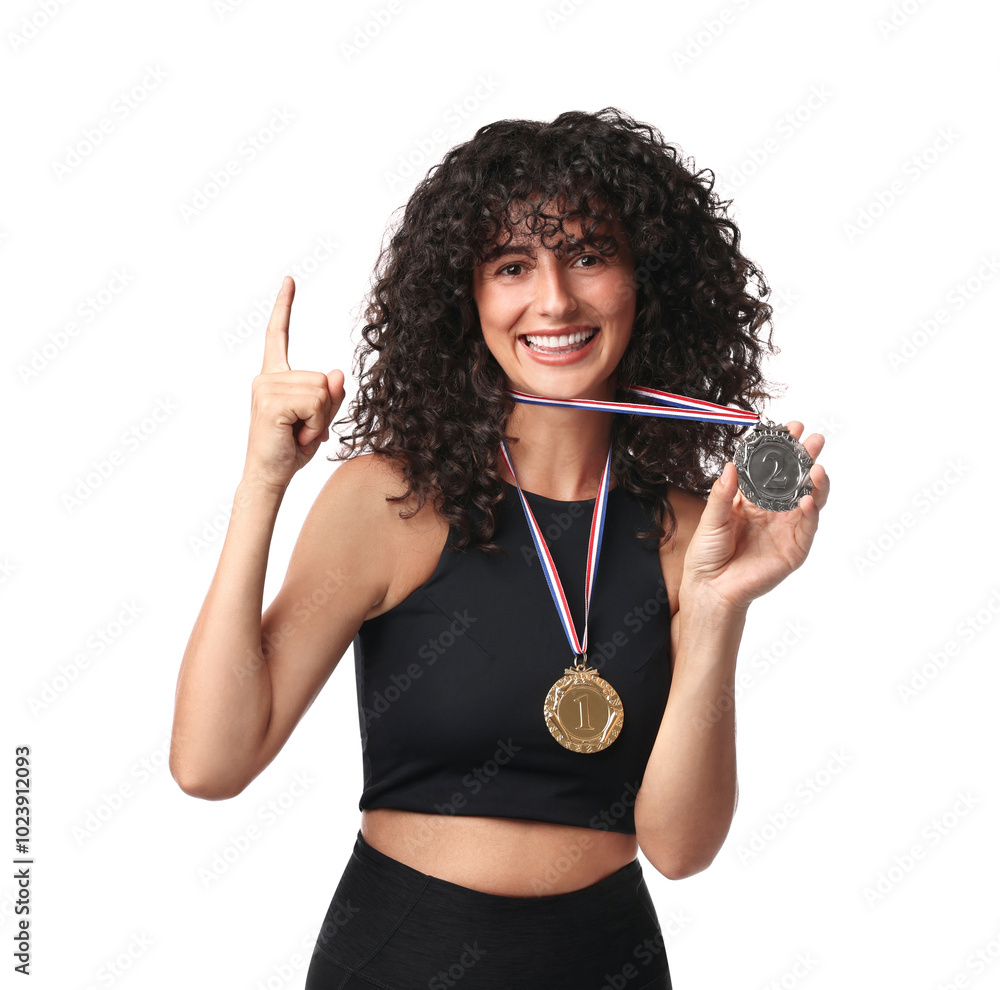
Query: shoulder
[
  {"x": 365, "y": 471},
  {"x": 395, "y": 539},
  {"x": 365, "y": 495},
  {"x": 363, "y": 485},
  {"x": 350, "y": 518}
]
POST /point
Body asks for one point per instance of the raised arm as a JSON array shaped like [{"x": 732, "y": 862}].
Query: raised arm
[{"x": 246, "y": 678}]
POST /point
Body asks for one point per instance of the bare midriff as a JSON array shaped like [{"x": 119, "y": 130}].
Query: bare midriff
[{"x": 512, "y": 857}]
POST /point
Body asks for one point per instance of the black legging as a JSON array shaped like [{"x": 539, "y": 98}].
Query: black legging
[{"x": 392, "y": 927}]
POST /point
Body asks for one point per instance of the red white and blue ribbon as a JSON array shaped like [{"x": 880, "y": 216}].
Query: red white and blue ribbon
[
  {"x": 577, "y": 645},
  {"x": 683, "y": 407}
]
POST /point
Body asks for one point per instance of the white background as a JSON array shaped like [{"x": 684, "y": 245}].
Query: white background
[{"x": 859, "y": 143}]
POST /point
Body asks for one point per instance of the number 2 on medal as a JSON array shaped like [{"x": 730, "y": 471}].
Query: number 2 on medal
[{"x": 773, "y": 480}]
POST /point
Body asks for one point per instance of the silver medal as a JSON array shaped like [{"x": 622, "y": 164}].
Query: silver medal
[{"x": 772, "y": 467}]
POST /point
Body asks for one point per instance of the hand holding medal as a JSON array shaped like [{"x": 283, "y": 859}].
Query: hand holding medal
[{"x": 740, "y": 550}]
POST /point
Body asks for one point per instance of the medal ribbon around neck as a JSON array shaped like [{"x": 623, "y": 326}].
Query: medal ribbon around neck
[{"x": 578, "y": 646}]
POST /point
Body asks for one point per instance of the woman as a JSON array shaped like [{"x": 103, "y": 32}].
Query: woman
[{"x": 498, "y": 841}]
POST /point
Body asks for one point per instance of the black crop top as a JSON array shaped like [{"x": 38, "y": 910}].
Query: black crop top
[{"x": 452, "y": 681}]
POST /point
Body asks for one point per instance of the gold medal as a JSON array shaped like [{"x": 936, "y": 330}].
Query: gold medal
[{"x": 583, "y": 711}]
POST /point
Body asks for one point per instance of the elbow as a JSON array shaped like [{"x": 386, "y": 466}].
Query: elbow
[
  {"x": 205, "y": 786},
  {"x": 676, "y": 863},
  {"x": 682, "y": 869}
]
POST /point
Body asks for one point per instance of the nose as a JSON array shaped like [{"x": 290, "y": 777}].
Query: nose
[{"x": 553, "y": 292}]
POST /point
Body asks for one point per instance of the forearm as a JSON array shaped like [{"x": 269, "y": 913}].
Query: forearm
[
  {"x": 223, "y": 698},
  {"x": 686, "y": 803}
]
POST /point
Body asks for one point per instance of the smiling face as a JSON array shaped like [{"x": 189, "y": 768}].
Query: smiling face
[{"x": 557, "y": 323}]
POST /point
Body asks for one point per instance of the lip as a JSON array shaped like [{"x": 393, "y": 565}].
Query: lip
[{"x": 570, "y": 357}]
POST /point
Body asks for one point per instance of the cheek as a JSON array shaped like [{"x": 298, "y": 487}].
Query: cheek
[
  {"x": 497, "y": 339},
  {"x": 626, "y": 307},
  {"x": 621, "y": 306},
  {"x": 624, "y": 298},
  {"x": 616, "y": 297},
  {"x": 494, "y": 308},
  {"x": 620, "y": 315}
]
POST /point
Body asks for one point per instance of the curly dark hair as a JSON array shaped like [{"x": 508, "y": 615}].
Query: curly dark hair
[{"x": 432, "y": 396}]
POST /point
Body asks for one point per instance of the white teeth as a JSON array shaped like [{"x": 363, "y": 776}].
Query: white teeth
[{"x": 562, "y": 340}]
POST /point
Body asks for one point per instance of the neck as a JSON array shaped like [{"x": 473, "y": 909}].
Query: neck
[{"x": 560, "y": 453}]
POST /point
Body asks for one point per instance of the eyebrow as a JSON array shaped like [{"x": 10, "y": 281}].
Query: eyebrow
[
  {"x": 508, "y": 249},
  {"x": 528, "y": 248}
]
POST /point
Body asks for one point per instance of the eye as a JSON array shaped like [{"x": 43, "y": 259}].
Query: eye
[
  {"x": 506, "y": 270},
  {"x": 596, "y": 259}
]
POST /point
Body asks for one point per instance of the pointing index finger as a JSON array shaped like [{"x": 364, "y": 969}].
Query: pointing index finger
[{"x": 276, "y": 336}]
